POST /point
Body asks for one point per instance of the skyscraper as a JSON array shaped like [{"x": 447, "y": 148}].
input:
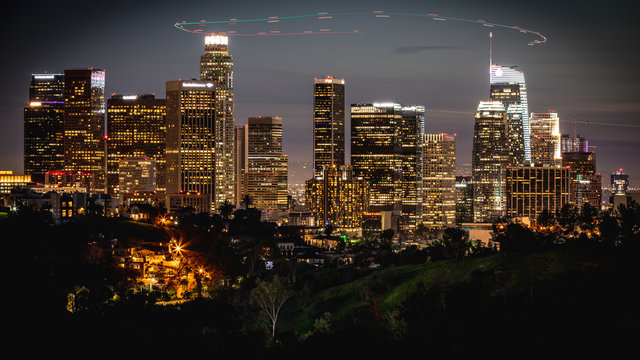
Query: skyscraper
[
  {"x": 619, "y": 183},
  {"x": 545, "y": 139},
  {"x": 585, "y": 182},
  {"x": 241, "y": 153},
  {"x": 217, "y": 65},
  {"x": 507, "y": 85},
  {"x": 531, "y": 190},
  {"x": 191, "y": 141},
  {"x": 464, "y": 199},
  {"x": 267, "y": 176},
  {"x": 573, "y": 143},
  {"x": 136, "y": 129},
  {"x": 84, "y": 121},
  {"x": 439, "y": 180},
  {"x": 43, "y": 129},
  {"x": 489, "y": 160},
  {"x": 328, "y": 123},
  {"x": 386, "y": 151}
]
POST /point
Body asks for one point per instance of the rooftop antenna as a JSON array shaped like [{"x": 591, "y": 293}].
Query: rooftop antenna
[{"x": 490, "y": 53}]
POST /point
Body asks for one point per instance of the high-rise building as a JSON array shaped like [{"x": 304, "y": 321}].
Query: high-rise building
[
  {"x": 439, "y": 180},
  {"x": 242, "y": 161},
  {"x": 386, "y": 151},
  {"x": 545, "y": 139},
  {"x": 619, "y": 183},
  {"x": 328, "y": 123},
  {"x": 530, "y": 190},
  {"x": 137, "y": 175},
  {"x": 338, "y": 197},
  {"x": 43, "y": 129},
  {"x": 267, "y": 176},
  {"x": 84, "y": 122},
  {"x": 9, "y": 181},
  {"x": 573, "y": 144},
  {"x": 586, "y": 183},
  {"x": 489, "y": 161},
  {"x": 217, "y": 65},
  {"x": 191, "y": 141},
  {"x": 515, "y": 135},
  {"x": 464, "y": 199},
  {"x": 136, "y": 129},
  {"x": 507, "y": 85}
]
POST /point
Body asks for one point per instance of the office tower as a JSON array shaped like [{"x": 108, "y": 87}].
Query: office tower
[
  {"x": 507, "y": 85},
  {"x": 191, "y": 141},
  {"x": 545, "y": 139},
  {"x": 489, "y": 161},
  {"x": 242, "y": 161},
  {"x": 43, "y": 129},
  {"x": 516, "y": 135},
  {"x": 573, "y": 144},
  {"x": 84, "y": 118},
  {"x": 267, "y": 176},
  {"x": 338, "y": 197},
  {"x": 328, "y": 123},
  {"x": 439, "y": 180},
  {"x": 217, "y": 65},
  {"x": 9, "y": 181},
  {"x": 137, "y": 175},
  {"x": 386, "y": 151},
  {"x": 619, "y": 183},
  {"x": 74, "y": 181},
  {"x": 464, "y": 199},
  {"x": 136, "y": 129},
  {"x": 530, "y": 190},
  {"x": 585, "y": 182}
]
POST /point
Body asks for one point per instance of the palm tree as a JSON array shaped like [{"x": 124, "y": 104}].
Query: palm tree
[
  {"x": 247, "y": 201},
  {"x": 226, "y": 209}
]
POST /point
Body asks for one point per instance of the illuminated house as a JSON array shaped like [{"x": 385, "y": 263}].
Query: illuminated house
[
  {"x": 267, "y": 173},
  {"x": 530, "y": 190},
  {"x": 508, "y": 86},
  {"x": 216, "y": 65},
  {"x": 328, "y": 123},
  {"x": 386, "y": 151},
  {"x": 338, "y": 197},
  {"x": 489, "y": 161},
  {"x": 43, "y": 129},
  {"x": 191, "y": 140},
  {"x": 84, "y": 113},
  {"x": 136, "y": 129},
  {"x": 439, "y": 180},
  {"x": 545, "y": 139}
]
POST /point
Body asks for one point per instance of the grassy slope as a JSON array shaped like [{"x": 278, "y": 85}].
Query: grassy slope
[{"x": 345, "y": 300}]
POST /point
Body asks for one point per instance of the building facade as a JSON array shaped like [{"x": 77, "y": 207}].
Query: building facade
[
  {"x": 439, "y": 180},
  {"x": 83, "y": 123},
  {"x": 216, "y": 65},
  {"x": 43, "y": 126},
  {"x": 464, "y": 199},
  {"x": 191, "y": 141},
  {"x": 545, "y": 139},
  {"x": 241, "y": 154},
  {"x": 328, "y": 123},
  {"x": 489, "y": 161},
  {"x": 585, "y": 183},
  {"x": 530, "y": 190},
  {"x": 267, "y": 175},
  {"x": 136, "y": 129},
  {"x": 619, "y": 183},
  {"x": 137, "y": 175}
]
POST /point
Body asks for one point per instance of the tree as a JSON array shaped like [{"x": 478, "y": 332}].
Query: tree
[
  {"x": 247, "y": 201},
  {"x": 456, "y": 241},
  {"x": 328, "y": 230},
  {"x": 386, "y": 236},
  {"x": 226, "y": 209},
  {"x": 270, "y": 297}
]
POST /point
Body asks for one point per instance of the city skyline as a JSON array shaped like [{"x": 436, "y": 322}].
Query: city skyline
[{"x": 275, "y": 87}]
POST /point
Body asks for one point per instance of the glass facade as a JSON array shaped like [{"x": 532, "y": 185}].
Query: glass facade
[
  {"x": 328, "y": 123},
  {"x": 530, "y": 190},
  {"x": 439, "y": 180},
  {"x": 545, "y": 139}
]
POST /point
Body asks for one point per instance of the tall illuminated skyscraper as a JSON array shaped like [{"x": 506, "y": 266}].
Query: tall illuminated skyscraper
[
  {"x": 507, "y": 85},
  {"x": 619, "y": 183},
  {"x": 439, "y": 180},
  {"x": 328, "y": 123},
  {"x": 241, "y": 154},
  {"x": 531, "y": 190},
  {"x": 191, "y": 141},
  {"x": 217, "y": 65},
  {"x": 489, "y": 161},
  {"x": 84, "y": 124},
  {"x": 545, "y": 139},
  {"x": 136, "y": 129},
  {"x": 267, "y": 176},
  {"x": 386, "y": 151},
  {"x": 585, "y": 182},
  {"x": 43, "y": 129}
]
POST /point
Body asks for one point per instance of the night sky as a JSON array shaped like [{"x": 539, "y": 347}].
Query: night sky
[{"x": 588, "y": 70}]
